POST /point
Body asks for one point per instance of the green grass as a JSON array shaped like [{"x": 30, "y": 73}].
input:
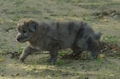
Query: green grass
[
  {"x": 20, "y": 49},
  {"x": 83, "y": 1},
  {"x": 61, "y": 62},
  {"x": 3, "y": 47},
  {"x": 110, "y": 39},
  {"x": 62, "y": 53}
]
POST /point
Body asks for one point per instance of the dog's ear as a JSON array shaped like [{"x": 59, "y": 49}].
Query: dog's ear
[
  {"x": 32, "y": 25},
  {"x": 97, "y": 36}
]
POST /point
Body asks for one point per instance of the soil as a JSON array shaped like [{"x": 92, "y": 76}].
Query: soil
[{"x": 102, "y": 15}]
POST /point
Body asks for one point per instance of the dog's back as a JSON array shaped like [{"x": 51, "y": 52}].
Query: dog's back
[
  {"x": 66, "y": 32},
  {"x": 72, "y": 33}
]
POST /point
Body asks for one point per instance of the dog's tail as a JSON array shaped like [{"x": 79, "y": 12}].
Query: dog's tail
[{"x": 97, "y": 35}]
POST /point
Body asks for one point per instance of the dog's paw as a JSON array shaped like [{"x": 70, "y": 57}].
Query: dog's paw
[
  {"x": 21, "y": 59},
  {"x": 94, "y": 57},
  {"x": 51, "y": 60}
]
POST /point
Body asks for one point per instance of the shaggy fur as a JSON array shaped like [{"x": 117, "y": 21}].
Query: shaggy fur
[{"x": 53, "y": 36}]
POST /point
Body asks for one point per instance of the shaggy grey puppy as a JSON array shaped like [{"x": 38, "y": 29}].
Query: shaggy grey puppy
[{"x": 53, "y": 36}]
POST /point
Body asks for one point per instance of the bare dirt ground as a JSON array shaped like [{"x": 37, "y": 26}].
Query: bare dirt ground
[{"x": 102, "y": 15}]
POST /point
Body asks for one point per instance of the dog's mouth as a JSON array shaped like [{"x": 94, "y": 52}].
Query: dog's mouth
[{"x": 22, "y": 40}]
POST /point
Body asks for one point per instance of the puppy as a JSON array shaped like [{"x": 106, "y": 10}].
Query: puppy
[{"x": 53, "y": 36}]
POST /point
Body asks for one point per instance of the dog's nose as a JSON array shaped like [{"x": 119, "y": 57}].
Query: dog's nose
[{"x": 18, "y": 39}]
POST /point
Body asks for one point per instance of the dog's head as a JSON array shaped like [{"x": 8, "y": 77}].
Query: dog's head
[{"x": 26, "y": 29}]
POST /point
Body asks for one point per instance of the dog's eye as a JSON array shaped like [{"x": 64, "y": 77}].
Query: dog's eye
[{"x": 24, "y": 31}]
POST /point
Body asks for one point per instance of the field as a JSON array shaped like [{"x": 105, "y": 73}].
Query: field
[{"x": 102, "y": 15}]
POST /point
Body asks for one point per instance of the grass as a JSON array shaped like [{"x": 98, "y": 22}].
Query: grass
[
  {"x": 63, "y": 53},
  {"x": 17, "y": 3},
  {"x": 110, "y": 39},
  {"x": 83, "y": 1},
  {"x": 61, "y": 62},
  {"x": 20, "y": 49},
  {"x": 4, "y": 47},
  {"x": 88, "y": 18}
]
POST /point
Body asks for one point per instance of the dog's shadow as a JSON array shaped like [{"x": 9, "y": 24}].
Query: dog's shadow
[{"x": 41, "y": 59}]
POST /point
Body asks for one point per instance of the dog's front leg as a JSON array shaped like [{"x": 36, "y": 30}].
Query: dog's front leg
[
  {"x": 95, "y": 53},
  {"x": 54, "y": 55},
  {"x": 26, "y": 52}
]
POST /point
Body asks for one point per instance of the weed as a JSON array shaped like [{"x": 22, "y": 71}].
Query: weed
[
  {"x": 61, "y": 62},
  {"x": 88, "y": 18},
  {"x": 64, "y": 0},
  {"x": 110, "y": 39},
  {"x": 118, "y": 55},
  {"x": 62, "y": 53},
  {"x": 35, "y": 65},
  {"x": 4, "y": 47},
  {"x": 99, "y": 60},
  {"x": 2, "y": 20},
  {"x": 20, "y": 49},
  {"x": 18, "y": 2},
  {"x": 16, "y": 17},
  {"x": 113, "y": 3},
  {"x": 47, "y": 17}
]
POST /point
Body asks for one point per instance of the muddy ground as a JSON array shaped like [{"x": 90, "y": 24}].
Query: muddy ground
[{"x": 102, "y": 15}]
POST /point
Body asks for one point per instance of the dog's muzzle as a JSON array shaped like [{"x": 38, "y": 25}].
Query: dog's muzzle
[{"x": 19, "y": 38}]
